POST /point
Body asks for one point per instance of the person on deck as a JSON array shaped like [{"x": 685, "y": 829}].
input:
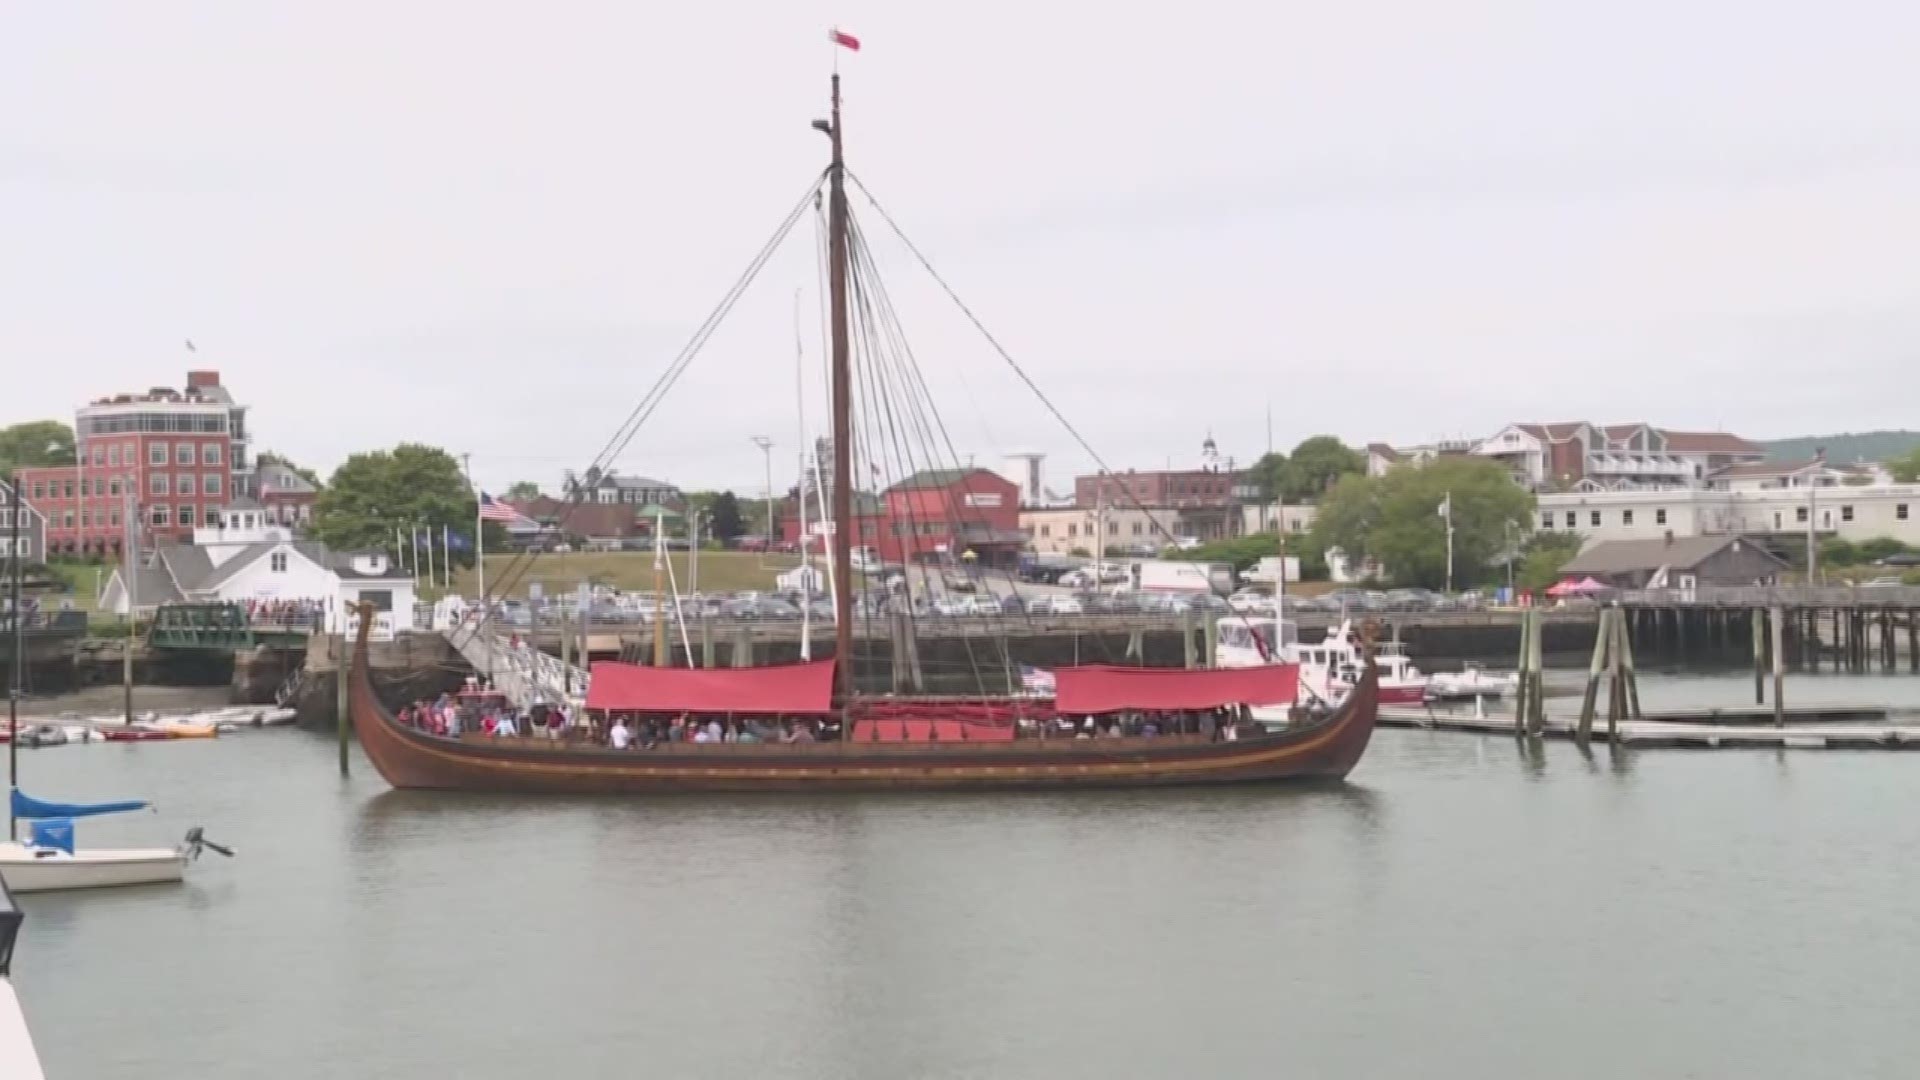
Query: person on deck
[
  {"x": 620, "y": 736},
  {"x": 715, "y": 733},
  {"x": 800, "y": 733}
]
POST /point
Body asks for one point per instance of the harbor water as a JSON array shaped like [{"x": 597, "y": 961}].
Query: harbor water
[{"x": 1464, "y": 907}]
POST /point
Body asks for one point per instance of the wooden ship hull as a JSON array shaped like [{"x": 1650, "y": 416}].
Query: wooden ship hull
[{"x": 408, "y": 758}]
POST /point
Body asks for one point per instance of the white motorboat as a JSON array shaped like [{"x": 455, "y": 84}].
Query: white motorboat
[
  {"x": 48, "y": 861},
  {"x": 1472, "y": 681}
]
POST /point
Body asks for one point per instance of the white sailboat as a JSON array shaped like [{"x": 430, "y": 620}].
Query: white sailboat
[{"x": 47, "y": 859}]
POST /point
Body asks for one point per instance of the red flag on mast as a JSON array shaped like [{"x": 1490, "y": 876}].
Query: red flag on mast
[{"x": 843, "y": 39}]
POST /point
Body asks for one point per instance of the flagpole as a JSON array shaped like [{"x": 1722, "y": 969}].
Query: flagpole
[
  {"x": 1446, "y": 511},
  {"x": 446, "y": 557},
  {"x": 429, "y": 554}
]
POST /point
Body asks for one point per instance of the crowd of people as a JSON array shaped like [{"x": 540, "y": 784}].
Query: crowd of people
[
  {"x": 483, "y": 713},
  {"x": 286, "y": 612},
  {"x": 1217, "y": 724},
  {"x": 626, "y": 732}
]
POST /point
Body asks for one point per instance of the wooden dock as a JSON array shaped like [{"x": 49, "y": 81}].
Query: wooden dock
[{"x": 1807, "y": 728}]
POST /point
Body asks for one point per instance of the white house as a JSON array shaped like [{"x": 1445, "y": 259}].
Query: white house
[
  {"x": 1594, "y": 457},
  {"x": 32, "y": 526},
  {"x": 1852, "y": 513},
  {"x": 262, "y": 563}
]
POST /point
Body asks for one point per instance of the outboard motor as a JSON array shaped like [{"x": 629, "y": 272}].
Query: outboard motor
[{"x": 196, "y": 840}]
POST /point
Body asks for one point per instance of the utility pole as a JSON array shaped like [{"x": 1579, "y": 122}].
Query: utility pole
[
  {"x": 1446, "y": 511},
  {"x": 766, "y": 449},
  {"x": 1813, "y": 540},
  {"x": 19, "y": 507},
  {"x": 129, "y": 568}
]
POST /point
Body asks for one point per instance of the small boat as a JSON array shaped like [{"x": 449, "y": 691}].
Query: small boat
[
  {"x": 1472, "y": 681},
  {"x": 48, "y": 861},
  {"x": 132, "y": 734},
  {"x": 1329, "y": 669},
  {"x": 39, "y": 735},
  {"x": 179, "y": 729}
]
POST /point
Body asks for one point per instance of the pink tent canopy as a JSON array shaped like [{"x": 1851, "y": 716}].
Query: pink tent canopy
[{"x": 1584, "y": 587}]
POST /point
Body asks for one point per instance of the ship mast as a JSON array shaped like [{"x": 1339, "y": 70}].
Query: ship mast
[{"x": 842, "y": 421}]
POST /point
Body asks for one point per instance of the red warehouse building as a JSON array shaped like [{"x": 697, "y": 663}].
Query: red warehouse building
[{"x": 936, "y": 513}]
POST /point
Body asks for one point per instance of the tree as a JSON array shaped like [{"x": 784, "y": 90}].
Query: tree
[
  {"x": 35, "y": 442},
  {"x": 1270, "y": 472},
  {"x": 1396, "y": 519},
  {"x": 1316, "y": 465},
  {"x": 727, "y": 524},
  {"x": 270, "y": 457},
  {"x": 1543, "y": 555},
  {"x": 522, "y": 491},
  {"x": 411, "y": 486},
  {"x": 1905, "y": 470}
]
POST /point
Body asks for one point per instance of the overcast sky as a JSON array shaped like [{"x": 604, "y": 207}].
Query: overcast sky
[{"x": 489, "y": 226}]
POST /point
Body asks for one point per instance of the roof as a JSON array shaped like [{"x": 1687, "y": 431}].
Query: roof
[
  {"x": 1554, "y": 432},
  {"x": 342, "y": 562},
  {"x": 591, "y": 519},
  {"x": 933, "y": 478},
  {"x": 274, "y": 477},
  {"x": 615, "y": 480},
  {"x": 1380, "y": 449},
  {"x": 1709, "y": 442},
  {"x": 1751, "y": 469},
  {"x": 1627, "y": 556}
]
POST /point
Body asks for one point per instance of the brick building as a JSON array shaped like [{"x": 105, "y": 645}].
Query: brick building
[
  {"x": 937, "y": 513},
  {"x": 179, "y": 455}
]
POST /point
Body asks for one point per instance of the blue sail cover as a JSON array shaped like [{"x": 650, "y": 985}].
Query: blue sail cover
[
  {"x": 26, "y": 806},
  {"x": 54, "y": 833}
]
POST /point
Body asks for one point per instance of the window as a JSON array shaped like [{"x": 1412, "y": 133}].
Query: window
[
  {"x": 160, "y": 515},
  {"x": 127, "y": 454},
  {"x": 183, "y": 453},
  {"x": 156, "y": 453},
  {"x": 1136, "y": 528},
  {"x": 66, "y": 520},
  {"x": 1594, "y": 517},
  {"x": 99, "y": 486},
  {"x": 1073, "y": 530},
  {"x": 277, "y": 562},
  {"x": 1660, "y": 516},
  {"x": 158, "y": 484},
  {"x": 99, "y": 457},
  {"x": 1626, "y": 517},
  {"x": 86, "y": 517},
  {"x": 186, "y": 515},
  {"x": 6, "y": 520},
  {"x": 113, "y": 455},
  {"x": 1113, "y": 528},
  {"x": 113, "y": 486},
  {"x": 183, "y": 484},
  {"x": 1900, "y": 511},
  {"x": 1546, "y": 520},
  {"x": 67, "y": 487},
  {"x": 210, "y": 454},
  {"x": 1046, "y": 530},
  {"x": 39, "y": 489},
  {"x": 1846, "y": 513},
  {"x": 115, "y": 516},
  {"x": 1800, "y": 514},
  {"x": 1572, "y": 520},
  {"x": 210, "y": 484}
]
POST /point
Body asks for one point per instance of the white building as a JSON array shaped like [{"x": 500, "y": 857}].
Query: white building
[
  {"x": 32, "y": 525},
  {"x": 1851, "y": 513},
  {"x": 263, "y": 563},
  {"x": 1592, "y": 457}
]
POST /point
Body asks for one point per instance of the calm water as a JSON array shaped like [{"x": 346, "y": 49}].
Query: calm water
[{"x": 1462, "y": 908}]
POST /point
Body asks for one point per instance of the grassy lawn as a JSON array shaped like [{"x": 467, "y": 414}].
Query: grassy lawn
[{"x": 720, "y": 571}]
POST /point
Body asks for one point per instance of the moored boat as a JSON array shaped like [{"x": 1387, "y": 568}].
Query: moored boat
[
  {"x": 48, "y": 860},
  {"x": 907, "y": 740}
]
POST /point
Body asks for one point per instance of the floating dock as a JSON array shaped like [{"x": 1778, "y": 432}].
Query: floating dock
[{"x": 1806, "y": 728}]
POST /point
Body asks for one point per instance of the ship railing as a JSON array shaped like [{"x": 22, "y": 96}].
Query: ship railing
[{"x": 525, "y": 674}]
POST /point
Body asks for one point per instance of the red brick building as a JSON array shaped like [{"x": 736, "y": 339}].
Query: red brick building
[
  {"x": 1178, "y": 488},
  {"x": 936, "y": 513},
  {"x": 180, "y": 456}
]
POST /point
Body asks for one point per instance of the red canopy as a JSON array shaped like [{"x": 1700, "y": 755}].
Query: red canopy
[
  {"x": 783, "y": 688},
  {"x": 1097, "y": 688}
]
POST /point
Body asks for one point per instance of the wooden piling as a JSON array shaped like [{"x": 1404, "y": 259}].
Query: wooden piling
[
  {"x": 1759, "y": 657},
  {"x": 1525, "y": 684},
  {"x": 1631, "y": 679},
  {"x": 1590, "y": 699},
  {"x": 1776, "y": 616},
  {"x": 343, "y": 662},
  {"x": 1536, "y": 701}
]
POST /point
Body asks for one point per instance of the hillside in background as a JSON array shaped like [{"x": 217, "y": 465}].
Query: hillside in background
[{"x": 1849, "y": 447}]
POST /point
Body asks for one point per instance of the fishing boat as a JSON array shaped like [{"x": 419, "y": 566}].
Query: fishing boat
[
  {"x": 47, "y": 860},
  {"x": 897, "y": 736}
]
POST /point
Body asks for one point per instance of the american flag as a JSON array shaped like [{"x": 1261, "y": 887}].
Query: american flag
[
  {"x": 492, "y": 509},
  {"x": 1036, "y": 680}
]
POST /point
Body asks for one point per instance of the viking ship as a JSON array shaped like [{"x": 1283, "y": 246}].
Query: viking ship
[{"x": 896, "y": 740}]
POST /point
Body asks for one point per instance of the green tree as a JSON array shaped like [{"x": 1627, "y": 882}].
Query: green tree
[
  {"x": 1316, "y": 465},
  {"x": 1270, "y": 472},
  {"x": 1543, "y": 555},
  {"x": 522, "y": 490},
  {"x": 1906, "y": 470},
  {"x": 727, "y": 524},
  {"x": 1396, "y": 519},
  {"x": 35, "y": 442},
  {"x": 271, "y": 457},
  {"x": 1878, "y": 548},
  {"x": 1838, "y": 551},
  {"x": 411, "y": 486}
]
